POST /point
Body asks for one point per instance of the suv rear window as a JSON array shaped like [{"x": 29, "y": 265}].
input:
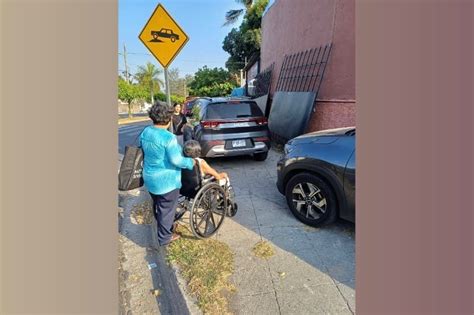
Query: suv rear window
[{"x": 233, "y": 110}]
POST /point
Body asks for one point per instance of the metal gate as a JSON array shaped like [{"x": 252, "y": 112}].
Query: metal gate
[{"x": 304, "y": 71}]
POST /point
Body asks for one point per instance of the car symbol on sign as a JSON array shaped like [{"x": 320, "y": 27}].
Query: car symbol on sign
[{"x": 165, "y": 32}]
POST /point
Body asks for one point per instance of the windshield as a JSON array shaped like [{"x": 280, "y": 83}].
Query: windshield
[{"x": 233, "y": 110}]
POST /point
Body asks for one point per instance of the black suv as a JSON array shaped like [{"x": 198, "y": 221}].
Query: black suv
[
  {"x": 231, "y": 126},
  {"x": 317, "y": 175}
]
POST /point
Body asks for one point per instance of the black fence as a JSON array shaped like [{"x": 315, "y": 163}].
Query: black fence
[
  {"x": 263, "y": 81},
  {"x": 304, "y": 71}
]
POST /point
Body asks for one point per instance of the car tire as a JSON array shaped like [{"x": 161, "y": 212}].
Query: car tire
[
  {"x": 325, "y": 199},
  {"x": 260, "y": 156}
]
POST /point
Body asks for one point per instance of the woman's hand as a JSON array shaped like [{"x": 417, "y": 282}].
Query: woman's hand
[{"x": 223, "y": 175}]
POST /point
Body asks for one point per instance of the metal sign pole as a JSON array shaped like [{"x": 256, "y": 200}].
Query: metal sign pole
[
  {"x": 167, "y": 83},
  {"x": 168, "y": 96}
]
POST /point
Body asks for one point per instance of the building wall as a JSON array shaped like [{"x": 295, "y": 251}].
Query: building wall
[{"x": 291, "y": 26}]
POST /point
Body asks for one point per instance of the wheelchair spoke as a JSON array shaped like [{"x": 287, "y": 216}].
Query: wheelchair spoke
[
  {"x": 203, "y": 217},
  {"x": 208, "y": 211},
  {"x": 211, "y": 214},
  {"x": 207, "y": 223}
]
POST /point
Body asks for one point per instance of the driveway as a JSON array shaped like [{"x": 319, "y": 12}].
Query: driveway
[{"x": 312, "y": 271}]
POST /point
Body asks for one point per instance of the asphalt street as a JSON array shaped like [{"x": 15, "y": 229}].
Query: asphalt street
[{"x": 128, "y": 133}]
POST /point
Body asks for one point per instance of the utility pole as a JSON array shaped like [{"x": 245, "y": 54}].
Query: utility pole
[
  {"x": 125, "y": 62},
  {"x": 184, "y": 86}
]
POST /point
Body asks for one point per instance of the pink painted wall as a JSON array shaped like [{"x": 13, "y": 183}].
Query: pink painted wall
[
  {"x": 291, "y": 26},
  {"x": 332, "y": 115}
]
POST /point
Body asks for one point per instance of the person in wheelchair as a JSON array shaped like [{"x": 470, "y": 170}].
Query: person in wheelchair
[{"x": 201, "y": 174}]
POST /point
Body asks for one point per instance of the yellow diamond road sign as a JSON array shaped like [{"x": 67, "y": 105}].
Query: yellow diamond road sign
[{"x": 163, "y": 36}]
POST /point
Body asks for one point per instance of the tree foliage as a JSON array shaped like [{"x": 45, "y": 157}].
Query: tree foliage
[
  {"x": 148, "y": 76},
  {"x": 212, "y": 82},
  {"x": 232, "y": 16},
  {"x": 243, "y": 42},
  {"x": 130, "y": 92},
  {"x": 178, "y": 84}
]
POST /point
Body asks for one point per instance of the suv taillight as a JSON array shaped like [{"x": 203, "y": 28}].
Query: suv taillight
[
  {"x": 209, "y": 123},
  {"x": 261, "y": 121}
]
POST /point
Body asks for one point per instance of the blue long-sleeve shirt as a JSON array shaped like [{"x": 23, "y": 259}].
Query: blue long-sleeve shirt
[{"x": 163, "y": 160}]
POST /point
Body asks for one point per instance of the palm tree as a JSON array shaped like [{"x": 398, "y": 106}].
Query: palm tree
[
  {"x": 232, "y": 16},
  {"x": 149, "y": 76}
]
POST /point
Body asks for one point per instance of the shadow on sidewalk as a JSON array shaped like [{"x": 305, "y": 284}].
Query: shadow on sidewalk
[
  {"x": 170, "y": 300},
  {"x": 264, "y": 211}
]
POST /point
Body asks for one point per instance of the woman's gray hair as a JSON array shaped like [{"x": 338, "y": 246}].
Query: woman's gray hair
[
  {"x": 192, "y": 148},
  {"x": 160, "y": 113}
]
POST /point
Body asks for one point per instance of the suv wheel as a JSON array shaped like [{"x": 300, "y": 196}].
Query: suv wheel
[
  {"x": 311, "y": 200},
  {"x": 260, "y": 156}
]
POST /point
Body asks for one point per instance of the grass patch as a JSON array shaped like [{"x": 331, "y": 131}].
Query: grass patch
[
  {"x": 263, "y": 249},
  {"x": 206, "y": 266}
]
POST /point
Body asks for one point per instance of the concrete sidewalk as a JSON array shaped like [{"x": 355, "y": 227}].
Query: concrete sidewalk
[
  {"x": 312, "y": 271},
  {"x": 142, "y": 264}
]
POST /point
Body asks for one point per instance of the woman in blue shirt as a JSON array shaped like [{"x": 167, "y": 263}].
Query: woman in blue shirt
[{"x": 162, "y": 164}]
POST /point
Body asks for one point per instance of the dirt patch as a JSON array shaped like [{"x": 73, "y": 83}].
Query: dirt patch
[
  {"x": 206, "y": 265},
  {"x": 124, "y": 294},
  {"x": 263, "y": 249},
  {"x": 142, "y": 213}
]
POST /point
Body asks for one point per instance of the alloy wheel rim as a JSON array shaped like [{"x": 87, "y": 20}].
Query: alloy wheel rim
[{"x": 309, "y": 201}]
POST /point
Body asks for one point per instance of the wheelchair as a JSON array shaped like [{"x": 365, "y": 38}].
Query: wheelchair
[{"x": 207, "y": 201}]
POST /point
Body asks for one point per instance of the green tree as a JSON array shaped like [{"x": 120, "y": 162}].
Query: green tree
[
  {"x": 178, "y": 85},
  {"x": 232, "y": 16},
  {"x": 149, "y": 76},
  {"x": 212, "y": 82},
  {"x": 129, "y": 92},
  {"x": 245, "y": 41}
]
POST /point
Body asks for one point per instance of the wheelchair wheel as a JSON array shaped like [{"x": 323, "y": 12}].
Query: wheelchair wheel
[{"x": 208, "y": 210}]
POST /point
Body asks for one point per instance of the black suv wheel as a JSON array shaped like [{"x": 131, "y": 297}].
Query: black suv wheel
[{"x": 311, "y": 200}]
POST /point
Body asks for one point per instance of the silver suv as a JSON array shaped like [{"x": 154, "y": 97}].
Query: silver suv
[{"x": 230, "y": 126}]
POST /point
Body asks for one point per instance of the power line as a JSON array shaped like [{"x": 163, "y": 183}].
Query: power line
[{"x": 184, "y": 60}]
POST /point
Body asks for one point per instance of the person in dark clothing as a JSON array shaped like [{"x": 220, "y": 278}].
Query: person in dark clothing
[
  {"x": 179, "y": 120},
  {"x": 180, "y": 125}
]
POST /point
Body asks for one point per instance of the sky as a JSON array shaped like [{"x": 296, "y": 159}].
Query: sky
[{"x": 201, "y": 20}]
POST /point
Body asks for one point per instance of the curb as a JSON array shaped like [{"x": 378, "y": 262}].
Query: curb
[
  {"x": 132, "y": 121},
  {"x": 174, "y": 272}
]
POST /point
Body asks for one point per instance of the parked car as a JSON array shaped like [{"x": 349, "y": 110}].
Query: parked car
[
  {"x": 188, "y": 106},
  {"x": 231, "y": 126},
  {"x": 316, "y": 173}
]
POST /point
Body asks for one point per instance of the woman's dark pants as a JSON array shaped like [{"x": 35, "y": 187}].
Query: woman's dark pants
[
  {"x": 164, "y": 207},
  {"x": 187, "y": 133}
]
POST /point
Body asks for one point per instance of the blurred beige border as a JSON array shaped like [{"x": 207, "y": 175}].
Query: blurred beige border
[
  {"x": 58, "y": 198},
  {"x": 58, "y": 159},
  {"x": 414, "y": 90}
]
